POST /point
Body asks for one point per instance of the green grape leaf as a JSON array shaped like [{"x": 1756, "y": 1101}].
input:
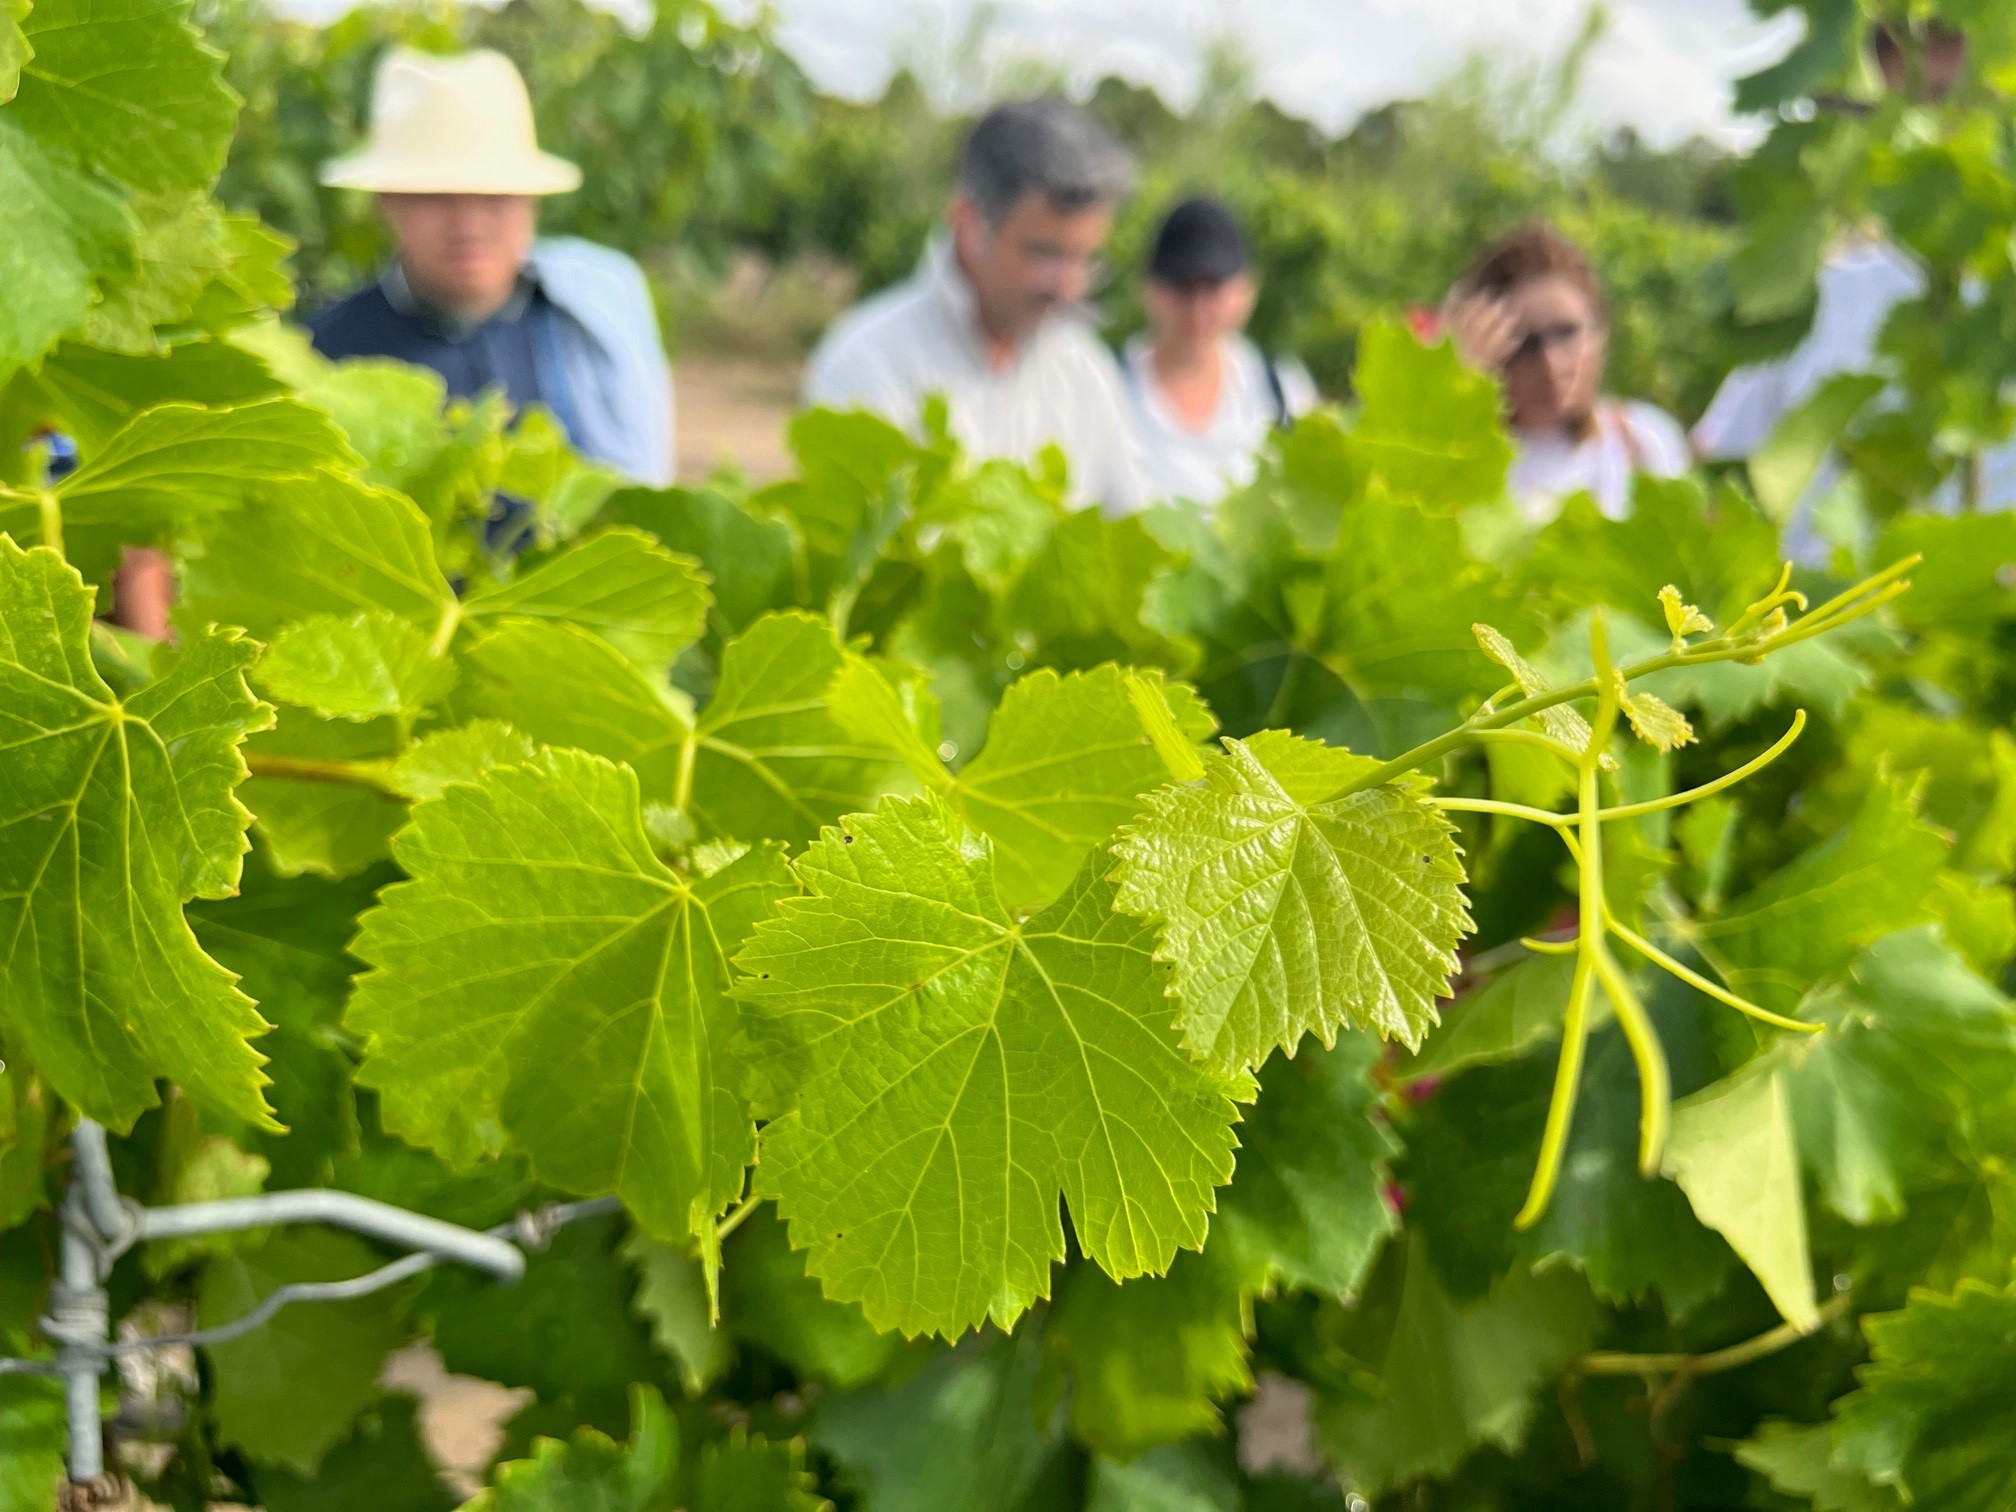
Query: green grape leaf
[
  {"x": 1148, "y": 1362},
  {"x": 1310, "y": 1212},
  {"x": 34, "y": 1429},
  {"x": 673, "y": 1296},
  {"x": 194, "y": 1166},
  {"x": 1445, "y": 1378},
  {"x": 1734, "y": 1153},
  {"x": 115, "y": 813},
  {"x": 1716, "y": 550},
  {"x": 92, "y": 393},
  {"x": 768, "y": 1300},
  {"x": 333, "y": 829},
  {"x": 545, "y": 975},
  {"x": 110, "y": 95},
  {"x": 288, "y": 1391},
  {"x": 1471, "y": 1145},
  {"x": 324, "y": 544},
  {"x": 1791, "y": 456},
  {"x": 590, "y": 1472},
  {"x": 1065, "y": 764},
  {"x": 361, "y": 668},
  {"x": 1428, "y": 425},
  {"x": 1175, "y": 1478},
  {"x": 28, "y": 1128},
  {"x": 1563, "y": 722},
  {"x": 753, "y": 561},
  {"x": 568, "y": 1331},
  {"x": 899, "y": 996},
  {"x": 286, "y": 939},
  {"x": 180, "y": 248},
  {"x": 1797, "y": 1459},
  {"x": 1874, "y": 876},
  {"x": 129, "y": 90},
  {"x": 1931, "y": 1419},
  {"x": 963, "y": 1431},
  {"x": 1399, "y": 597},
  {"x": 1285, "y": 910},
  {"x": 1081, "y": 600},
  {"x": 1517, "y": 1009},
  {"x": 562, "y": 686},
  {"x": 462, "y": 754},
  {"x": 771, "y": 760},
  {"x": 620, "y": 585},
  {"x": 171, "y": 467},
  {"x": 747, "y": 1473},
  {"x": 383, "y": 1465},
  {"x": 1917, "y": 1047},
  {"x": 1960, "y": 586},
  {"x": 14, "y": 48}
]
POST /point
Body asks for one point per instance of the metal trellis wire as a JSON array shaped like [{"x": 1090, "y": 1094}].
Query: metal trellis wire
[{"x": 99, "y": 1226}]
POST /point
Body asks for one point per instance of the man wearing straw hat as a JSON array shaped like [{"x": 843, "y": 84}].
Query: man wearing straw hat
[{"x": 471, "y": 293}]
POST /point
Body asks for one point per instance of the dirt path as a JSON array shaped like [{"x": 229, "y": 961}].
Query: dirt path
[{"x": 732, "y": 411}]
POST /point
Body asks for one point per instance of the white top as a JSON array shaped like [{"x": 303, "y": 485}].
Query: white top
[
  {"x": 1203, "y": 465},
  {"x": 923, "y": 336},
  {"x": 1629, "y": 437},
  {"x": 1860, "y": 283}
]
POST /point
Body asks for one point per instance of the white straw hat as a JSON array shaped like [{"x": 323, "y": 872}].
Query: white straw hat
[{"x": 451, "y": 125}]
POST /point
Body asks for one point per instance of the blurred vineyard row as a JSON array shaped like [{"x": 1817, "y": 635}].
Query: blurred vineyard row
[{"x": 760, "y": 204}]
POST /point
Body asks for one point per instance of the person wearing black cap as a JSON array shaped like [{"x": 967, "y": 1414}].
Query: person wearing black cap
[{"x": 1205, "y": 397}]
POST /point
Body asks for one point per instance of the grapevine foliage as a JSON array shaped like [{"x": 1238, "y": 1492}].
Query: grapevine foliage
[{"x": 1031, "y": 981}]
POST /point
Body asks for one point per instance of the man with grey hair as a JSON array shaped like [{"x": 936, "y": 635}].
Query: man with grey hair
[{"x": 993, "y": 320}]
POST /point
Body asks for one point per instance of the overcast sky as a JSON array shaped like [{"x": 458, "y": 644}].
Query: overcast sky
[{"x": 1664, "y": 66}]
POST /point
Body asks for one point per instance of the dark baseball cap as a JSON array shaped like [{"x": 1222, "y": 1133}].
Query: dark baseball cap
[{"x": 1200, "y": 242}]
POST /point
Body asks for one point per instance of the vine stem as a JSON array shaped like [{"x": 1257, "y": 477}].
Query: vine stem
[
  {"x": 735, "y": 1217},
  {"x": 1864, "y": 598},
  {"x": 49, "y": 509},
  {"x": 1606, "y": 1362},
  {"x": 365, "y": 774}
]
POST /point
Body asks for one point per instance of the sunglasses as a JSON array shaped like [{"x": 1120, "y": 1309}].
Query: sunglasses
[{"x": 1544, "y": 338}]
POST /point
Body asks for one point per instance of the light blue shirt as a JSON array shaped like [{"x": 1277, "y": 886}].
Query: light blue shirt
[{"x": 610, "y": 356}]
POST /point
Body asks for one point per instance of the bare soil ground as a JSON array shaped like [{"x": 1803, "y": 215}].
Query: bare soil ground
[{"x": 731, "y": 412}]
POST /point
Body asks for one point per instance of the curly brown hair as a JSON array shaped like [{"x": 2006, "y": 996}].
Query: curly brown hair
[{"x": 1534, "y": 250}]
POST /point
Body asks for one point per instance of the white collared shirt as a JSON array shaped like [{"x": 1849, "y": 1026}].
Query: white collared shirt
[
  {"x": 1629, "y": 437},
  {"x": 923, "y": 337},
  {"x": 1204, "y": 464}
]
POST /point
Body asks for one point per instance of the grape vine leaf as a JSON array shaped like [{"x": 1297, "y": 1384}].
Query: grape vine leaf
[
  {"x": 1874, "y": 876},
  {"x": 590, "y": 1472},
  {"x": 365, "y": 667},
  {"x": 620, "y": 585},
  {"x": 936, "y": 1074},
  {"x": 771, "y": 759},
  {"x": 383, "y": 1465},
  {"x": 1734, "y": 1153},
  {"x": 1065, "y": 762},
  {"x": 325, "y": 544},
  {"x": 111, "y": 97},
  {"x": 333, "y": 829},
  {"x": 1917, "y": 1046},
  {"x": 461, "y": 754},
  {"x": 963, "y": 1431},
  {"x": 1175, "y": 1478},
  {"x": 1428, "y": 425},
  {"x": 288, "y": 1391},
  {"x": 1285, "y": 909},
  {"x": 1931, "y": 1417},
  {"x": 767, "y": 1299},
  {"x": 672, "y": 1296},
  {"x": 1797, "y": 1459},
  {"x": 1499, "y": 1021},
  {"x": 1148, "y": 1362},
  {"x": 115, "y": 813},
  {"x": 1470, "y": 1148},
  {"x": 32, "y": 1426},
  {"x": 91, "y": 393},
  {"x": 544, "y": 974},
  {"x": 753, "y": 560},
  {"x": 173, "y": 466},
  {"x": 561, "y": 686},
  {"x": 1310, "y": 1213},
  {"x": 746, "y": 1472},
  {"x": 1445, "y": 1378}
]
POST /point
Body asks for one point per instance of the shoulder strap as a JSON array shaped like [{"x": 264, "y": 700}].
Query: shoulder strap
[{"x": 1282, "y": 417}]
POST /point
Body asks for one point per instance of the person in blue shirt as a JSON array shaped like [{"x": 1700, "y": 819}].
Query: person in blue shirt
[{"x": 473, "y": 292}]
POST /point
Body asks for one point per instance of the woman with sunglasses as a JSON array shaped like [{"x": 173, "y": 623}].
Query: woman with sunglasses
[{"x": 1530, "y": 312}]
